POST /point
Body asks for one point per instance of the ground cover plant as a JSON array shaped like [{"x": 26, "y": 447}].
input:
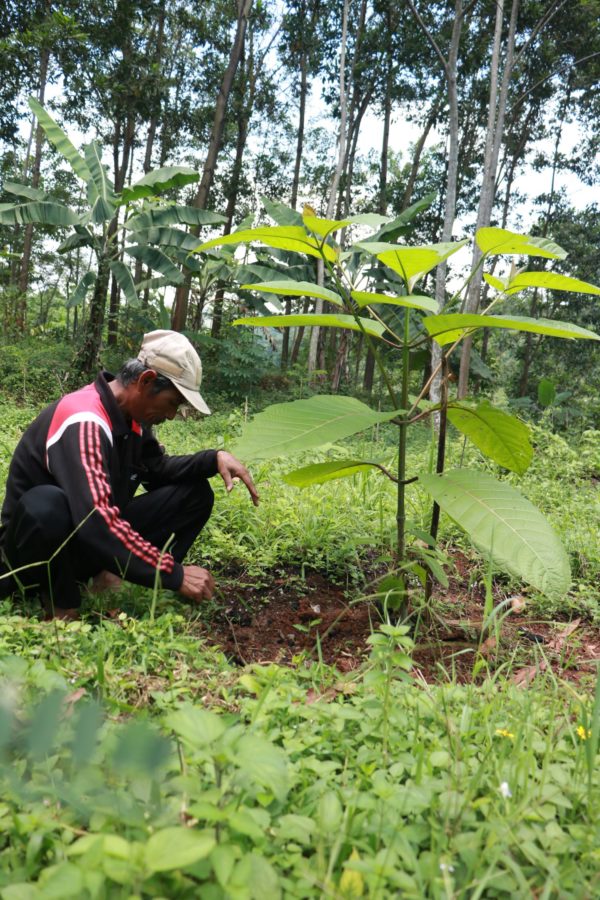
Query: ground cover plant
[
  {"x": 297, "y": 782},
  {"x": 137, "y": 759}
]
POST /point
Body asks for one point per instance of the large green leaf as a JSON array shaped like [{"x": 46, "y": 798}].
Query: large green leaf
[
  {"x": 310, "y": 320},
  {"x": 280, "y": 212},
  {"x": 295, "y": 289},
  {"x": 281, "y": 237},
  {"x": 504, "y": 526},
  {"x": 318, "y": 473},
  {"x": 411, "y": 263},
  {"x": 502, "y": 437},
  {"x": 125, "y": 280},
  {"x": 446, "y": 329},
  {"x": 176, "y": 847},
  {"x": 499, "y": 284},
  {"x": 412, "y": 301},
  {"x": 79, "y": 294},
  {"x": 100, "y": 178},
  {"x": 81, "y": 238},
  {"x": 551, "y": 281},
  {"x": 40, "y": 213},
  {"x": 59, "y": 139},
  {"x": 197, "y": 727},
  {"x": 401, "y": 225},
  {"x": 323, "y": 227},
  {"x": 291, "y": 427},
  {"x": 263, "y": 763},
  {"x": 157, "y": 260},
  {"x": 24, "y": 190},
  {"x": 546, "y": 392},
  {"x": 167, "y": 237},
  {"x": 174, "y": 215},
  {"x": 497, "y": 241},
  {"x": 158, "y": 181},
  {"x": 262, "y": 273}
]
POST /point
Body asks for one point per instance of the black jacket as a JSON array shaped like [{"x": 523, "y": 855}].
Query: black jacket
[{"x": 84, "y": 445}]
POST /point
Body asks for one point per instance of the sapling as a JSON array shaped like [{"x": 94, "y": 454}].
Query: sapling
[{"x": 501, "y": 522}]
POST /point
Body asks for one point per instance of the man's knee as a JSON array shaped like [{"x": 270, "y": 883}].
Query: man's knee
[{"x": 42, "y": 520}]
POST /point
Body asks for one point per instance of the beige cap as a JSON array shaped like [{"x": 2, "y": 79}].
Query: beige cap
[{"x": 171, "y": 354}]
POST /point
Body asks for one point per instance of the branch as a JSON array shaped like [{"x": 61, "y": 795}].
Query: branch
[
  {"x": 543, "y": 21},
  {"x": 570, "y": 65},
  {"x": 429, "y": 36}
]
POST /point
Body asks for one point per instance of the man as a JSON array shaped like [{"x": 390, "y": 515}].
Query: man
[{"x": 70, "y": 512}]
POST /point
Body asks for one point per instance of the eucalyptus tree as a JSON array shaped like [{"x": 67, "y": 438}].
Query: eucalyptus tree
[
  {"x": 146, "y": 226},
  {"x": 243, "y": 9}
]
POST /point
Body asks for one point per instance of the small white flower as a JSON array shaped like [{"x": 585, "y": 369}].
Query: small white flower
[
  {"x": 446, "y": 867},
  {"x": 505, "y": 790}
]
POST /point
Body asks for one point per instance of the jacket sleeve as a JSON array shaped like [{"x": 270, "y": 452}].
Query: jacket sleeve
[
  {"x": 158, "y": 468},
  {"x": 79, "y": 463}
]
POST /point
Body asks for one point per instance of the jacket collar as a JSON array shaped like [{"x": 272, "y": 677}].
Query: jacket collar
[{"x": 120, "y": 424}]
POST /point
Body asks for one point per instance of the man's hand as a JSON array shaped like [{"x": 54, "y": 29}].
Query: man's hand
[
  {"x": 197, "y": 585},
  {"x": 229, "y": 468}
]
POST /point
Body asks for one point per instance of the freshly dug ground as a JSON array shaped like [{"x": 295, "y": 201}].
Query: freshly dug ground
[{"x": 294, "y": 618}]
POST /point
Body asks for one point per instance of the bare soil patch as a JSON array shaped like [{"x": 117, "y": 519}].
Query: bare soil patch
[{"x": 295, "y": 618}]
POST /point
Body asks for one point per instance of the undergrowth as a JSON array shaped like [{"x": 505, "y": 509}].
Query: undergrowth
[{"x": 135, "y": 761}]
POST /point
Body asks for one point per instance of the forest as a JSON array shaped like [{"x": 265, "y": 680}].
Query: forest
[{"x": 377, "y": 222}]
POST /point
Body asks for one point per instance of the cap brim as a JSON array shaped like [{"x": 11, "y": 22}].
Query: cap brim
[{"x": 194, "y": 398}]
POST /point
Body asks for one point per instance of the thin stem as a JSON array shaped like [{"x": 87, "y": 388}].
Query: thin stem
[
  {"x": 439, "y": 468},
  {"x": 401, "y": 509}
]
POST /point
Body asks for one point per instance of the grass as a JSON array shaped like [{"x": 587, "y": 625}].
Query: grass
[
  {"x": 293, "y": 782},
  {"x": 136, "y": 761}
]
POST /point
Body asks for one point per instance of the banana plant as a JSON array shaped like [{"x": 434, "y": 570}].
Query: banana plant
[
  {"x": 151, "y": 232},
  {"x": 502, "y": 523}
]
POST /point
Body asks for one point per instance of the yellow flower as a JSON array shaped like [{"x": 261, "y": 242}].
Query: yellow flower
[
  {"x": 502, "y": 732},
  {"x": 584, "y": 733}
]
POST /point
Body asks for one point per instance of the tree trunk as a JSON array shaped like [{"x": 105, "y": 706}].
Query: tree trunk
[
  {"x": 495, "y": 128},
  {"x": 385, "y": 142},
  {"x": 183, "y": 290},
  {"x": 243, "y": 121},
  {"x": 86, "y": 362},
  {"x": 23, "y": 285},
  {"x": 315, "y": 332},
  {"x": 296, "y": 179},
  {"x": 298, "y": 337}
]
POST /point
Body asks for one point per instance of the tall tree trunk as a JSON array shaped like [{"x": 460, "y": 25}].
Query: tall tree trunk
[
  {"x": 86, "y": 361},
  {"x": 23, "y": 285},
  {"x": 449, "y": 66},
  {"x": 495, "y": 128},
  {"x": 243, "y": 120},
  {"x": 120, "y": 176},
  {"x": 530, "y": 345},
  {"x": 315, "y": 332},
  {"x": 296, "y": 179},
  {"x": 243, "y": 11},
  {"x": 151, "y": 134}
]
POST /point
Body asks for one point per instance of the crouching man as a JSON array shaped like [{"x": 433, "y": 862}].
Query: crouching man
[{"x": 70, "y": 512}]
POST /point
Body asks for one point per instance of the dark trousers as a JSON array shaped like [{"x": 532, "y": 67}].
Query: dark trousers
[{"x": 42, "y": 524}]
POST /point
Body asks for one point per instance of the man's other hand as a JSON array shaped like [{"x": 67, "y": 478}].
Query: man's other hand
[
  {"x": 197, "y": 585},
  {"x": 229, "y": 468}
]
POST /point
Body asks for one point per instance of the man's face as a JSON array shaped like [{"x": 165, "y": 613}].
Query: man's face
[{"x": 153, "y": 409}]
